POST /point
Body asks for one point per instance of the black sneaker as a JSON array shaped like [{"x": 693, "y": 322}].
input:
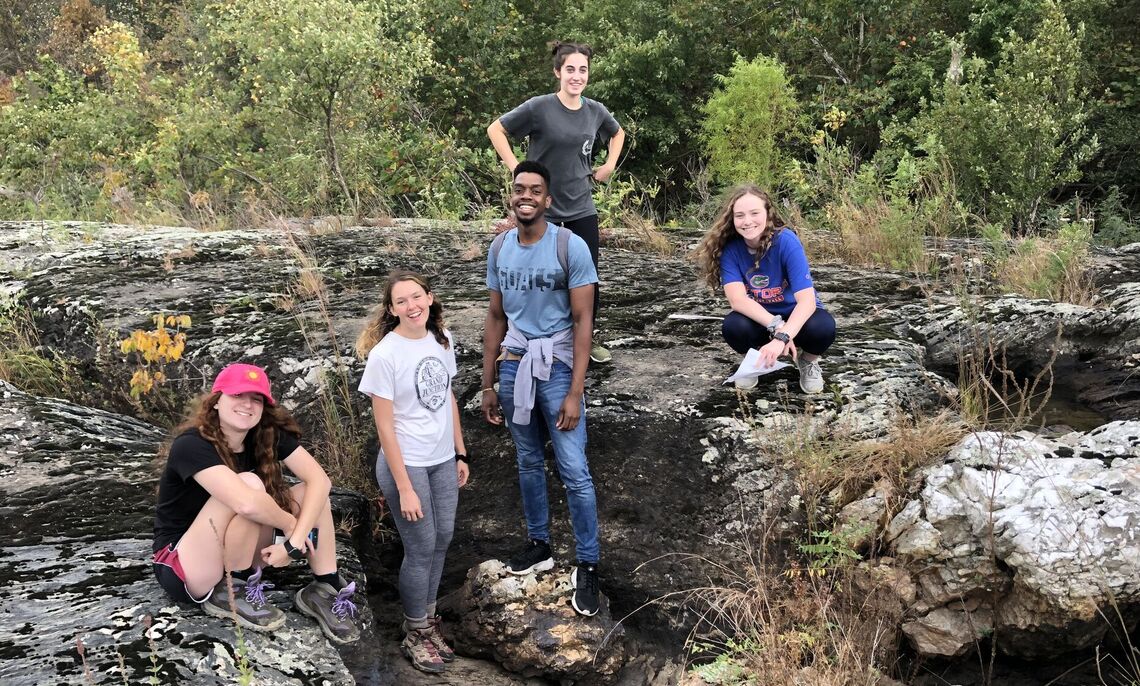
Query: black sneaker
[
  {"x": 534, "y": 558},
  {"x": 584, "y": 578}
]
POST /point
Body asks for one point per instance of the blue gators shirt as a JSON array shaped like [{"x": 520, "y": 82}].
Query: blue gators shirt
[
  {"x": 535, "y": 289},
  {"x": 782, "y": 272}
]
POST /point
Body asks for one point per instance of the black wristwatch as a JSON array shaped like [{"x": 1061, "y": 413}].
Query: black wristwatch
[
  {"x": 294, "y": 553},
  {"x": 782, "y": 337},
  {"x": 462, "y": 458}
]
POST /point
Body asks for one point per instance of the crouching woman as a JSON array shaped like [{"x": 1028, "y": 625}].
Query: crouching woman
[{"x": 221, "y": 496}]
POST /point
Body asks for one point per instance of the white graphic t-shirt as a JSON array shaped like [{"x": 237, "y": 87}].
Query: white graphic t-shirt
[{"x": 415, "y": 374}]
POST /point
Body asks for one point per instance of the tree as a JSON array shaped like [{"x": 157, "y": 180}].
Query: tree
[
  {"x": 324, "y": 63},
  {"x": 745, "y": 121}
]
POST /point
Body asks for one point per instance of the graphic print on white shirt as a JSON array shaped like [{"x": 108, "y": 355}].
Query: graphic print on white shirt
[{"x": 432, "y": 383}]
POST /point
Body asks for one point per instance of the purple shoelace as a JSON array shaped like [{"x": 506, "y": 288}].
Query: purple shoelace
[
  {"x": 343, "y": 606},
  {"x": 255, "y": 589}
]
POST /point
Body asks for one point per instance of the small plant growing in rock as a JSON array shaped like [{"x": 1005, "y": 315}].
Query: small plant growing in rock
[{"x": 154, "y": 350}]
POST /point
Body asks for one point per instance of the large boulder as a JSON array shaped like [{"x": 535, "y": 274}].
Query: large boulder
[
  {"x": 526, "y": 624},
  {"x": 76, "y": 508},
  {"x": 1029, "y": 539}
]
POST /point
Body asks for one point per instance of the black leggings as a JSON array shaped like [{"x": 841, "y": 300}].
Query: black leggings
[
  {"x": 586, "y": 228},
  {"x": 816, "y": 336}
]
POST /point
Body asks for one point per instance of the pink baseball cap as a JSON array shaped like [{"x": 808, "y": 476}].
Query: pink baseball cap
[{"x": 242, "y": 378}]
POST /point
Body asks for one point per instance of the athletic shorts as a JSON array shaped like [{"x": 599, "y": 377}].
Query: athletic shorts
[{"x": 168, "y": 571}]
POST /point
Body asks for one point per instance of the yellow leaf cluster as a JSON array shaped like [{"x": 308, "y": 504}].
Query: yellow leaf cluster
[
  {"x": 144, "y": 381},
  {"x": 163, "y": 345}
]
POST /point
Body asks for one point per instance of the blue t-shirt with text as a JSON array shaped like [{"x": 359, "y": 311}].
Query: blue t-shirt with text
[
  {"x": 782, "y": 271},
  {"x": 535, "y": 289}
]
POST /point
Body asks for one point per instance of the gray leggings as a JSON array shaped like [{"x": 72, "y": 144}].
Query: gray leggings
[{"x": 425, "y": 541}]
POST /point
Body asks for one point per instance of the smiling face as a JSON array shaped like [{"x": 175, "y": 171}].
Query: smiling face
[
  {"x": 574, "y": 74},
  {"x": 411, "y": 304},
  {"x": 750, "y": 216},
  {"x": 240, "y": 413},
  {"x": 529, "y": 198}
]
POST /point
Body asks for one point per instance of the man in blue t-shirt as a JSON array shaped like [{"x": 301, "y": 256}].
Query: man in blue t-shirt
[{"x": 538, "y": 331}]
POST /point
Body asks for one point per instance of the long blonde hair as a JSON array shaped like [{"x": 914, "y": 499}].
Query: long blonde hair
[
  {"x": 383, "y": 321},
  {"x": 723, "y": 229}
]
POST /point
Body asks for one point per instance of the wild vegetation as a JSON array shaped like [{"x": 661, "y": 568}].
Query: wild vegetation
[
  {"x": 928, "y": 119},
  {"x": 882, "y": 128}
]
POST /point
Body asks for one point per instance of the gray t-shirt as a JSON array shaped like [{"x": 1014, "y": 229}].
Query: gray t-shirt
[
  {"x": 536, "y": 292},
  {"x": 563, "y": 140}
]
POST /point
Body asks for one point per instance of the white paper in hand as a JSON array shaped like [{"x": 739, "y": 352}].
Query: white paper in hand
[{"x": 748, "y": 367}]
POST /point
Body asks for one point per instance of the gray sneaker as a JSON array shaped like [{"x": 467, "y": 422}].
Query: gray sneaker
[
  {"x": 600, "y": 354},
  {"x": 334, "y": 610},
  {"x": 811, "y": 376},
  {"x": 249, "y": 607}
]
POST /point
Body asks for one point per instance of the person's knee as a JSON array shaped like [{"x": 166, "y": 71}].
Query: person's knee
[
  {"x": 576, "y": 476},
  {"x": 821, "y": 329},
  {"x": 737, "y": 330}
]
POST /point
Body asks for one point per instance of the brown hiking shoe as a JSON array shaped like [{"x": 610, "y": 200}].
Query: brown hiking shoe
[
  {"x": 417, "y": 646},
  {"x": 334, "y": 610},
  {"x": 435, "y": 634}
]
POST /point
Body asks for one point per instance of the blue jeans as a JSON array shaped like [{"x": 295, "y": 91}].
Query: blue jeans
[{"x": 569, "y": 455}]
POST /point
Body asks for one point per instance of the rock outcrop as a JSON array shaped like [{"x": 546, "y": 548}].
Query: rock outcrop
[
  {"x": 682, "y": 463},
  {"x": 1031, "y": 540},
  {"x": 526, "y": 624},
  {"x": 76, "y": 506}
]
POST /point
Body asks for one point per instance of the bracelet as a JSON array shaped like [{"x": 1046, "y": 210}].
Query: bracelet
[
  {"x": 489, "y": 388},
  {"x": 462, "y": 458}
]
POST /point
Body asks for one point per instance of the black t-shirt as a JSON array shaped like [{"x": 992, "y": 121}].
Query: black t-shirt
[{"x": 180, "y": 497}]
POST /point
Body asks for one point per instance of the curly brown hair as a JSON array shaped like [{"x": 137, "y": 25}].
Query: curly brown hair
[
  {"x": 383, "y": 321},
  {"x": 723, "y": 229},
  {"x": 203, "y": 416}
]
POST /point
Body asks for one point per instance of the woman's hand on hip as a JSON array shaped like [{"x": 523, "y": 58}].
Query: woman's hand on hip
[{"x": 603, "y": 173}]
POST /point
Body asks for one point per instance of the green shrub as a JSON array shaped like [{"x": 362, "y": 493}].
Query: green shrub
[
  {"x": 1014, "y": 132},
  {"x": 1114, "y": 225},
  {"x": 747, "y": 119}
]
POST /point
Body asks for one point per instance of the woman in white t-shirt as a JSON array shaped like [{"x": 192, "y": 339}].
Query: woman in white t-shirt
[{"x": 422, "y": 465}]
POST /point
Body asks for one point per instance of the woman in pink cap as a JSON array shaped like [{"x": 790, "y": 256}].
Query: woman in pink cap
[{"x": 220, "y": 498}]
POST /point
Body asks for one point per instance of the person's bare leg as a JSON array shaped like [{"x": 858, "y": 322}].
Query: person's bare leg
[{"x": 206, "y": 545}]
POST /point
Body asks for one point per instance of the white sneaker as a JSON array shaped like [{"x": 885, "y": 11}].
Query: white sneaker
[
  {"x": 747, "y": 383},
  {"x": 811, "y": 376}
]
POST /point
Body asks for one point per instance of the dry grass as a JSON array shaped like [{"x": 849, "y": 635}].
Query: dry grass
[
  {"x": 815, "y": 615},
  {"x": 770, "y": 622},
  {"x": 24, "y": 363},
  {"x": 993, "y": 396},
  {"x": 641, "y": 234},
  {"x": 1054, "y": 267},
  {"x": 343, "y": 434}
]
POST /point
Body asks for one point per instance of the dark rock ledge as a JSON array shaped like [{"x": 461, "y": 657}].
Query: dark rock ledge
[{"x": 683, "y": 464}]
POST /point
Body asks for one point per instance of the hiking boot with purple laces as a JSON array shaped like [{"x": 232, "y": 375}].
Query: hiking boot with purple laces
[
  {"x": 334, "y": 610},
  {"x": 249, "y": 606}
]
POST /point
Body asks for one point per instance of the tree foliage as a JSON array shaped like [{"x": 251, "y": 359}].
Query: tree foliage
[
  {"x": 747, "y": 120},
  {"x": 160, "y": 108}
]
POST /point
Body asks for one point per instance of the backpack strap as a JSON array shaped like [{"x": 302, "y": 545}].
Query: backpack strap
[
  {"x": 563, "y": 241},
  {"x": 496, "y": 247},
  {"x": 564, "y": 250}
]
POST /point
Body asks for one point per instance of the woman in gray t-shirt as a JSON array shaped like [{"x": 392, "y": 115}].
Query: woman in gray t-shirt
[{"x": 562, "y": 128}]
